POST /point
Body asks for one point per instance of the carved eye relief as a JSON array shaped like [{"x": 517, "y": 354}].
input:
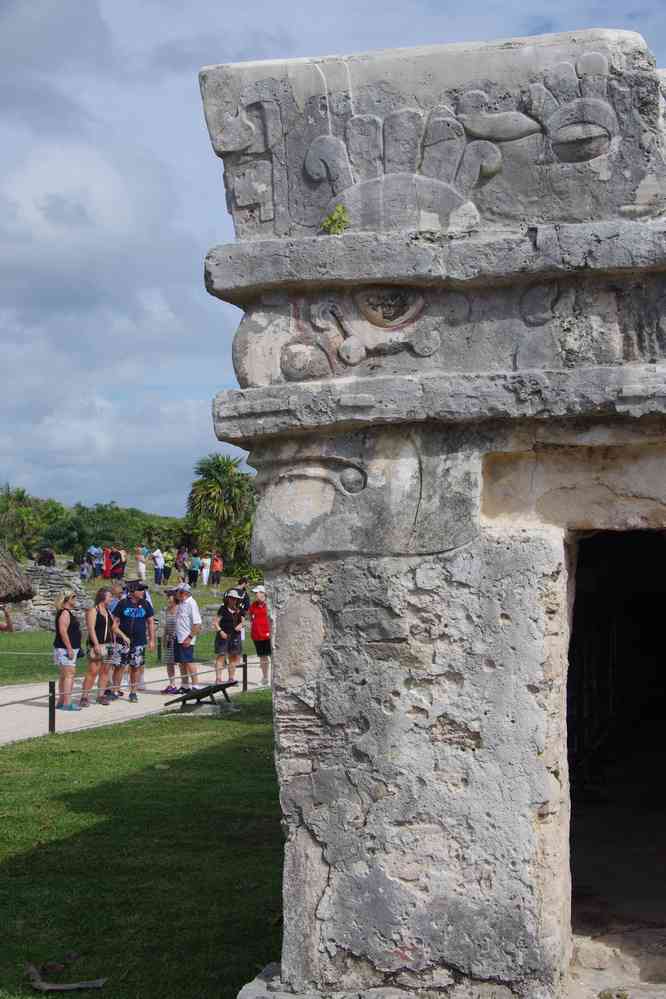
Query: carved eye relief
[
  {"x": 580, "y": 141},
  {"x": 353, "y": 480},
  {"x": 389, "y": 308},
  {"x": 574, "y": 108},
  {"x": 346, "y": 479}
]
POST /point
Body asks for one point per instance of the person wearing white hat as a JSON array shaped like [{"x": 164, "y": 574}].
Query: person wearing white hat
[
  {"x": 260, "y": 630},
  {"x": 188, "y": 626},
  {"x": 228, "y": 629}
]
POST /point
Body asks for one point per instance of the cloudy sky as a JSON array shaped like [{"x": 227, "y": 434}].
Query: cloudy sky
[{"x": 110, "y": 196}]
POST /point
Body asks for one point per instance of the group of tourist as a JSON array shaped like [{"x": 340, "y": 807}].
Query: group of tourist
[
  {"x": 191, "y": 567},
  {"x": 121, "y": 626}
]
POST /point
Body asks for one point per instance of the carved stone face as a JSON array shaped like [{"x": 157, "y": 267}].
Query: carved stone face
[
  {"x": 376, "y": 492},
  {"x": 386, "y": 330},
  {"x": 564, "y": 129}
]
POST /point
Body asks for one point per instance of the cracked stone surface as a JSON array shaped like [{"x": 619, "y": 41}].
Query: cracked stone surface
[
  {"x": 421, "y": 769},
  {"x": 435, "y": 400}
]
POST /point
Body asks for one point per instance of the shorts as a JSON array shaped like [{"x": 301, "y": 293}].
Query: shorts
[
  {"x": 183, "y": 653},
  {"x": 62, "y": 660},
  {"x": 134, "y": 657},
  {"x": 227, "y": 646},
  {"x": 263, "y": 646}
]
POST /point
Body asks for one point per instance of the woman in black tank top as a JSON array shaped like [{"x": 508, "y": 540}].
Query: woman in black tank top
[
  {"x": 99, "y": 624},
  {"x": 66, "y": 645}
]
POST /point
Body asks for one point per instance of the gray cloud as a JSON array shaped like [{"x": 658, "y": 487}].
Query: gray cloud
[
  {"x": 187, "y": 55},
  {"x": 50, "y": 36}
]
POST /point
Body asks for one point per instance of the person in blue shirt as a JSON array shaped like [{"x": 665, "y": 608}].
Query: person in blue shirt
[{"x": 134, "y": 626}]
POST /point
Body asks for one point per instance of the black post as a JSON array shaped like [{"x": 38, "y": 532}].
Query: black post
[
  {"x": 245, "y": 674},
  {"x": 159, "y": 648},
  {"x": 52, "y": 703}
]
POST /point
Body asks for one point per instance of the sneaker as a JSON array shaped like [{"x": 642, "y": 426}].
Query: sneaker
[
  {"x": 84, "y": 702},
  {"x": 171, "y": 690},
  {"x": 184, "y": 690},
  {"x": 103, "y": 700},
  {"x": 120, "y": 693},
  {"x": 133, "y": 698},
  {"x": 69, "y": 707}
]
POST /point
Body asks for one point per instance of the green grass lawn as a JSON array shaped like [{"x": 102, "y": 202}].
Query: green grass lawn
[{"x": 153, "y": 849}]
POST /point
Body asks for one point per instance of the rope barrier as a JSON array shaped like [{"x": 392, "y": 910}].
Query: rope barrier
[{"x": 77, "y": 685}]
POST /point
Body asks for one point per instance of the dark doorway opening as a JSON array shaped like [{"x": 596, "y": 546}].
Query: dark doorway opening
[{"x": 617, "y": 732}]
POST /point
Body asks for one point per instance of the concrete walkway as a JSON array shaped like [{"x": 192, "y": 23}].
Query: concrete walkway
[{"x": 24, "y": 708}]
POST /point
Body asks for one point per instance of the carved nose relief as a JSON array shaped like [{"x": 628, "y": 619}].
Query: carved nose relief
[{"x": 452, "y": 370}]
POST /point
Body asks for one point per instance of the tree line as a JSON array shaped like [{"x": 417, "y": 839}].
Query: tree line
[{"x": 220, "y": 512}]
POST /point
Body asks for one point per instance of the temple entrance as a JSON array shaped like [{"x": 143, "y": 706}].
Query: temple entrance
[{"x": 617, "y": 743}]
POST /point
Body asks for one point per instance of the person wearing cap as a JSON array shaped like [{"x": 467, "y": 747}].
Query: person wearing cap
[
  {"x": 228, "y": 641},
  {"x": 244, "y": 605},
  {"x": 188, "y": 626},
  {"x": 260, "y": 630},
  {"x": 134, "y": 625}
]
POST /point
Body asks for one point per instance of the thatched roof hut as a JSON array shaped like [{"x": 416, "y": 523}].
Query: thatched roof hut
[{"x": 14, "y": 585}]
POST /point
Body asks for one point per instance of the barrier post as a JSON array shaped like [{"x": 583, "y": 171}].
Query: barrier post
[
  {"x": 244, "y": 673},
  {"x": 52, "y": 706},
  {"x": 159, "y": 649}
]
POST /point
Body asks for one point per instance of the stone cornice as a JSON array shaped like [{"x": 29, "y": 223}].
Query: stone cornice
[
  {"x": 248, "y": 415},
  {"x": 240, "y": 272}
]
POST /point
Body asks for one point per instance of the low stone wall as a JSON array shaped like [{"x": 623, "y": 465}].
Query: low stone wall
[{"x": 48, "y": 583}]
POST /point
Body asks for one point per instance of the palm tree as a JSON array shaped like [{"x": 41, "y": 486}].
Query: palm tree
[{"x": 222, "y": 497}]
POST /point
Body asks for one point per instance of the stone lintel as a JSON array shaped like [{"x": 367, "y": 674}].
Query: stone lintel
[
  {"x": 239, "y": 272},
  {"x": 246, "y": 416}
]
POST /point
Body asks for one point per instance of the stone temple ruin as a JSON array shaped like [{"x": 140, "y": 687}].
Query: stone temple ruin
[{"x": 456, "y": 405}]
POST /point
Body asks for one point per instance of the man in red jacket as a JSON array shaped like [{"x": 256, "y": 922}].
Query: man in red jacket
[{"x": 261, "y": 630}]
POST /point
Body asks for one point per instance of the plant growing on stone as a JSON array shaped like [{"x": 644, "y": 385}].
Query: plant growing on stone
[{"x": 337, "y": 221}]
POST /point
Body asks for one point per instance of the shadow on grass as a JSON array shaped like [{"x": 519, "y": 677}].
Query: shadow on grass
[{"x": 173, "y": 887}]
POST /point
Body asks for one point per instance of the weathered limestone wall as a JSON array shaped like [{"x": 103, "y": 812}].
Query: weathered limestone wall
[
  {"x": 48, "y": 583},
  {"x": 436, "y": 400},
  {"x": 419, "y": 712}
]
